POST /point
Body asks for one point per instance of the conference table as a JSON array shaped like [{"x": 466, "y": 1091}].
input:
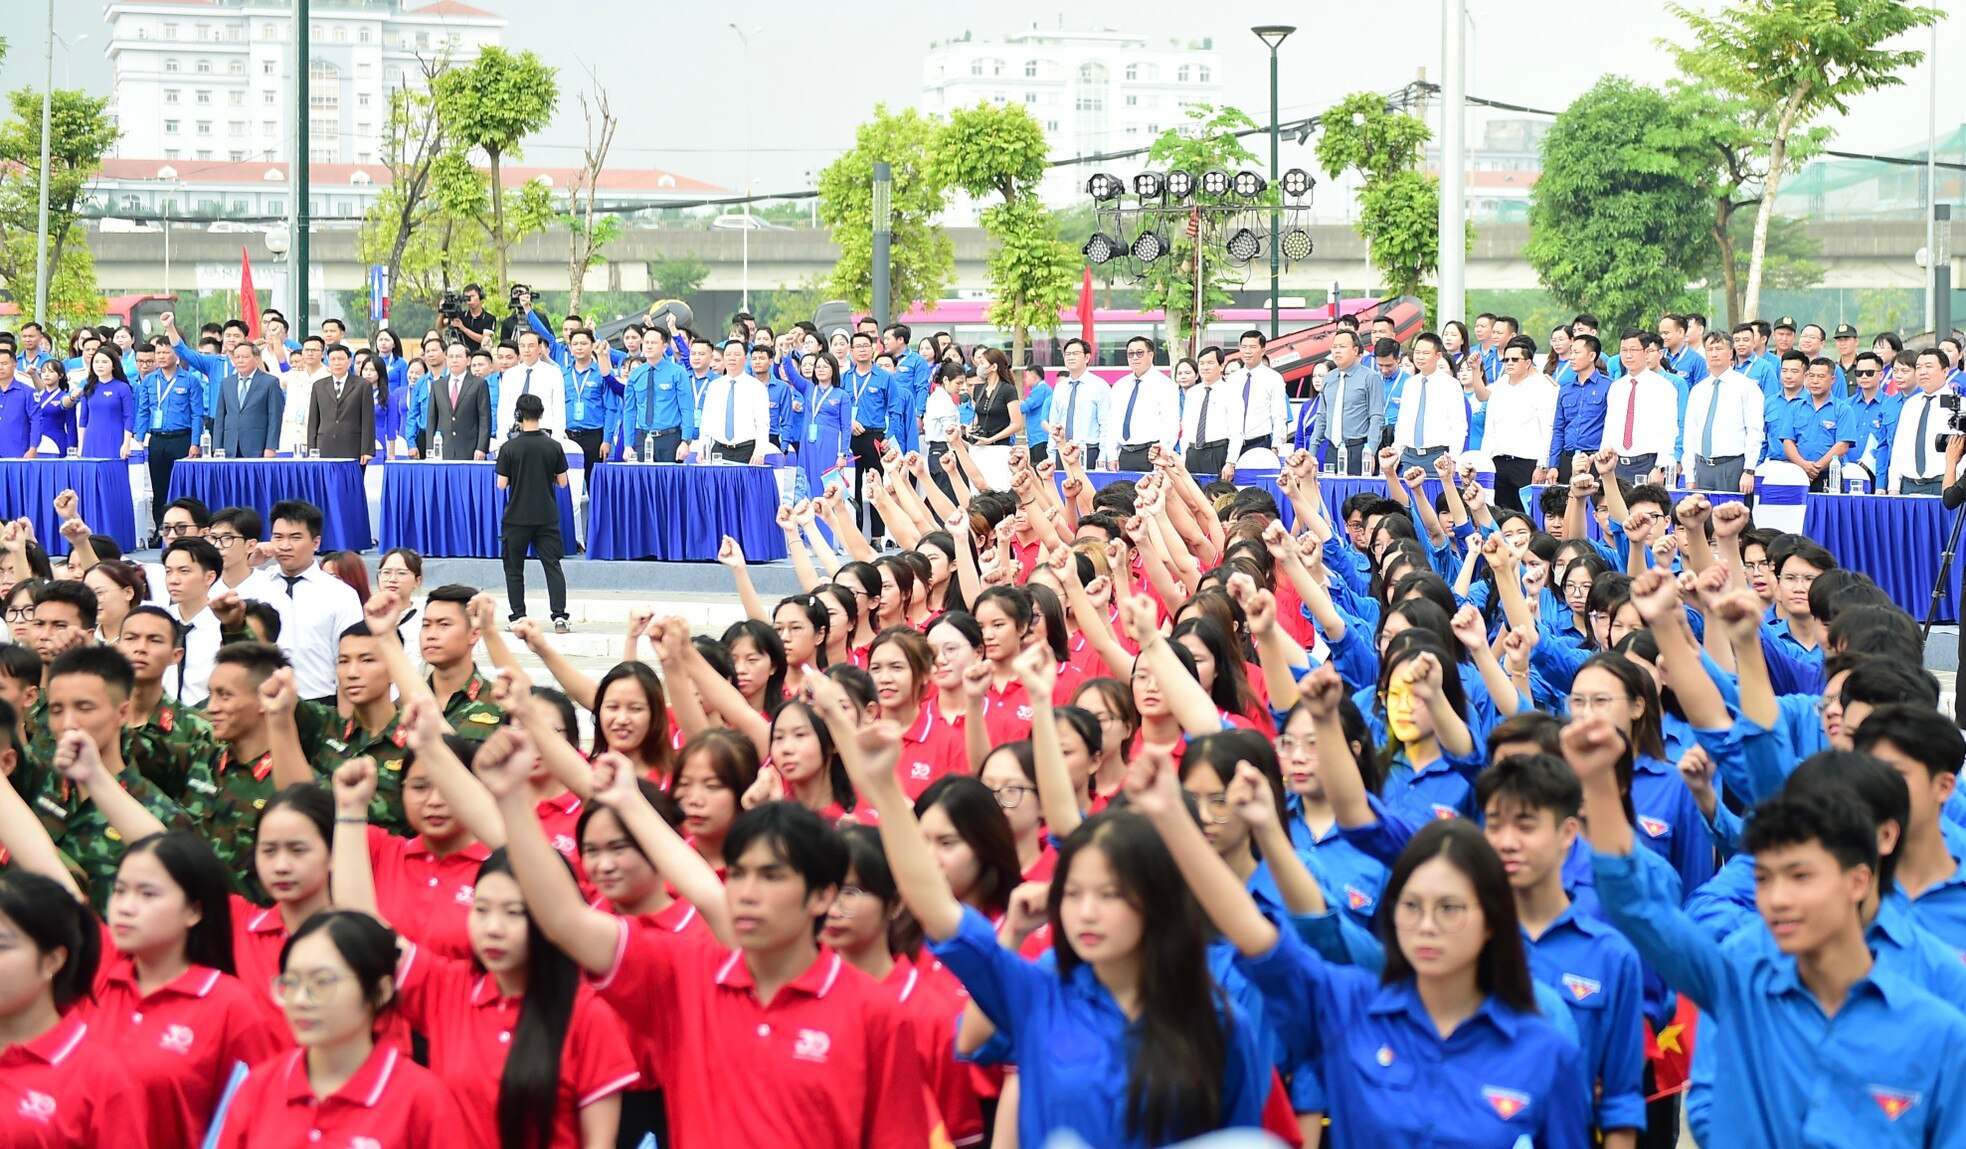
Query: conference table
[
  {"x": 102, "y": 496},
  {"x": 451, "y": 509},
  {"x": 334, "y": 485},
  {"x": 680, "y": 512}
]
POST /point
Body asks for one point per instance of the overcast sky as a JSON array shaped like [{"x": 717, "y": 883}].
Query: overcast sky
[{"x": 677, "y": 78}]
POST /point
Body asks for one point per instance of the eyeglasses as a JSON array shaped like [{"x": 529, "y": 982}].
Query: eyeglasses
[
  {"x": 19, "y": 614},
  {"x": 1797, "y": 579},
  {"x": 848, "y": 902},
  {"x": 1286, "y": 743},
  {"x": 222, "y": 541},
  {"x": 1823, "y": 705},
  {"x": 1214, "y": 808},
  {"x": 1584, "y": 703},
  {"x": 1514, "y": 359},
  {"x": 1755, "y": 565},
  {"x": 1866, "y": 372},
  {"x": 175, "y": 530},
  {"x": 1449, "y": 917},
  {"x": 1137, "y": 353},
  {"x": 1011, "y": 797},
  {"x": 314, "y": 988}
]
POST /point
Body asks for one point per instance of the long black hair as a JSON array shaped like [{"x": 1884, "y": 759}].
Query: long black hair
[
  {"x": 1502, "y": 969},
  {"x": 1222, "y": 753},
  {"x": 1410, "y": 644},
  {"x": 1230, "y": 691},
  {"x": 973, "y": 810},
  {"x": 842, "y": 784},
  {"x": 54, "y": 919},
  {"x": 194, "y": 866},
  {"x": 529, "y": 1089},
  {"x": 768, "y": 643},
  {"x": 1174, "y": 1081}
]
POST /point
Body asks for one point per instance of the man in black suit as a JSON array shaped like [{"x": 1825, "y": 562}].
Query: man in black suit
[
  {"x": 341, "y": 412},
  {"x": 460, "y": 407},
  {"x": 250, "y": 406}
]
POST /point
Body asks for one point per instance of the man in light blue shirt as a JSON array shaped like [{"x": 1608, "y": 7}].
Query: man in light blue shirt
[{"x": 1078, "y": 404}]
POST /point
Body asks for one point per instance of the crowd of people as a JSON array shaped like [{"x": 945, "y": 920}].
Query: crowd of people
[{"x": 1117, "y": 807}]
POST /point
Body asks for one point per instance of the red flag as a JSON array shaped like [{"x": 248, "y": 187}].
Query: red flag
[
  {"x": 248, "y": 298},
  {"x": 1085, "y": 309}
]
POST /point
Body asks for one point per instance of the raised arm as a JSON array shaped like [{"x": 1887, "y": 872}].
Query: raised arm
[
  {"x": 676, "y": 860},
  {"x": 1655, "y": 593},
  {"x": 1191, "y": 705},
  {"x": 732, "y": 557},
  {"x": 1057, "y": 800},
  {"x": 1344, "y": 787},
  {"x": 1472, "y": 632},
  {"x": 78, "y": 762},
  {"x": 795, "y": 546},
  {"x": 1154, "y": 789},
  {"x": 277, "y": 698},
  {"x": 475, "y": 808},
  {"x": 351, "y": 875}
]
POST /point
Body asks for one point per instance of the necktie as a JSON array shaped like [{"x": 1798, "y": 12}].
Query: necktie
[
  {"x": 456, "y": 384},
  {"x": 291, "y": 580},
  {"x": 648, "y": 412},
  {"x": 1126, "y": 421},
  {"x": 527, "y": 389},
  {"x": 1420, "y": 415},
  {"x": 244, "y": 384},
  {"x": 1071, "y": 409},
  {"x": 730, "y": 412},
  {"x": 1706, "y": 435},
  {"x": 1248, "y": 380},
  {"x": 1201, "y": 420},
  {"x": 1920, "y": 439},
  {"x": 1631, "y": 414}
]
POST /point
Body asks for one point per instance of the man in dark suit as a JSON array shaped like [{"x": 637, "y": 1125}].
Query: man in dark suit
[
  {"x": 341, "y": 412},
  {"x": 460, "y": 407},
  {"x": 250, "y": 406}
]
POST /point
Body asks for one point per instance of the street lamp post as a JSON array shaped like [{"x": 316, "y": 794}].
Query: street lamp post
[
  {"x": 167, "y": 175},
  {"x": 1453, "y": 163},
  {"x": 47, "y": 130},
  {"x": 1274, "y": 35},
  {"x": 744, "y": 38}
]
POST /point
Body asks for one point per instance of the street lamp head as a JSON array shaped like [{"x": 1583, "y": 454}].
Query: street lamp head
[
  {"x": 278, "y": 241},
  {"x": 1274, "y": 34}
]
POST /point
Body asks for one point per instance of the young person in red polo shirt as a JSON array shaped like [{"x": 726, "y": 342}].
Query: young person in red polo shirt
[
  {"x": 931, "y": 746},
  {"x": 774, "y": 1042},
  {"x": 342, "y": 1089}
]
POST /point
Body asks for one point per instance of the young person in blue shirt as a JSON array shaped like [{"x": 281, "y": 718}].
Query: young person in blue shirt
[
  {"x": 1446, "y": 1043},
  {"x": 1433, "y": 753},
  {"x": 913, "y": 376},
  {"x": 1129, "y": 1042},
  {"x": 1815, "y": 1044},
  {"x": 1925, "y": 747},
  {"x": 1820, "y": 428},
  {"x": 1035, "y": 402},
  {"x": 656, "y": 415}
]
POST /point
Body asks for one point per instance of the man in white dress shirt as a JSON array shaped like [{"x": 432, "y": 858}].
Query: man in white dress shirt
[
  {"x": 191, "y": 566},
  {"x": 1641, "y": 415},
  {"x": 298, "y": 382},
  {"x": 1724, "y": 423},
  {"x": 1211, "y": 422},
  {"x": 1265, "y": 407},
  {"x": 315, "y": 606},
  {"x": 535, "y": 374},
  {"x": 1433, "y": 410},
  {"x": 1521, "y": 412},
  {"x": 1144, "y": 409},
  {"x": 736, "y": 412},
  {"x": 1917, "y": 452}
]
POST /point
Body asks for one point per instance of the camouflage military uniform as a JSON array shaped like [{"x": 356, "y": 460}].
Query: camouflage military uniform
[
  {"x": 388, "y": 747},
  {"x": 173, "y": 765},
  {"x": 470, "y": 711},
  {"x": 184, "y": 736},
  {"x": 85, "y": 837}
]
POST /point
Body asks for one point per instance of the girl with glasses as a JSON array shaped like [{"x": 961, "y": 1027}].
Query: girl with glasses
[{"x": 1010, "y": 774}]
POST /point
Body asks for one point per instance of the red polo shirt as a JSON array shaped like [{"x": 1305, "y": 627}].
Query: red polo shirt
[
  {"x": 680, "y": 917},
  {"x": 427, "y": 898},
  {"x": 180, "y": 1042},
  {"x": 390, "y": 1103},
  {"x": 930, "y": 748},
  {"x": 934, "y": 1011},
  {"x": 1007, "y": 713},
  {"x": 470, "y": 1030},
  {"x": 66, "y": 1089},
  {"x": 258, "y": 935},
  {"x": 830, "y": 1061}
]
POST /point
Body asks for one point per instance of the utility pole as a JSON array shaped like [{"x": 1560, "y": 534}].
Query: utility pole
[
  {"x": 1453, "y": 162},
  {"x": 47, "y": 173},
  {"x": 1273, "y": 35},
  {"x": 883, "y": 239},
  {"x": 297, "y": 266}
]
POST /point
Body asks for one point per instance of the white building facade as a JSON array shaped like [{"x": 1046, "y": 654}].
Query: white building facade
[
  {"x": 1091, "y": 91},
  {"x": 209, "y": 80}
]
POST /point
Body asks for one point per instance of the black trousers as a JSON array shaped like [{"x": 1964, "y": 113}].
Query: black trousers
[
  {"x": 1206, "y": 460},
  {"x": 1137, "y": 458},
  {"x": 166, "y": 448},
  {"x": 1039, "y": 452},
  {"x": 735, "y": 452},
  {"x": 545, "y": 538},
  {"x": 867, "y": 457},
  {"x": 1512, "y": 473},
  {"x": 590, "y": 446},
  {"x": 663, "y": 444},
  {"x": 938, "y": 450},
  {"x": 1563, "y": 461}
]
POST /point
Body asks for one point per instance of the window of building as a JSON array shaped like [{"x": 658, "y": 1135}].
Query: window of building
[
  {"x": 1030, "y": 97},
  {"x": 268, "y": 97},
  {"x": 976, "y": 67},
  {"x": 204, "y": 127},
  {"x": 171, "y": 127},
  {"x": 364, "y": 129},
  {"x": 364, "y": 35},
  {"x": 362, "y": 71},
  {"x": 204, "y": 67},
  {"x": 361, "y": 99},
  {"x": 170, "y": 31},
  {"x": 268, "y": 127},
  {"x": 206, "y": 204},
  {"x": 340, "y": 35},
  {"x": 1030, "y": 69},
  {"x": 268, "y": 68},
  {"x": 171, "y": 95},
  {"x": 1133, "y": 71},
  {"x": 235, "y": 99},
  {"x": 201, "y": 31},
  {"x": 235, "y": 67},
  {"x": 239, "y": 206},
  {"x": 170, "y": 65},
  {"x": 1051, "y": 125},
  {"x": 204, "y": 96},
  {"x": 1181, "y": 75},
  {"x": 323, "y": 70},
  {"x": 1201, "y": 73},
  {"x": 172, "y": 154},
  {"x": 132, "y": 203},
  {"x": 236, "y": 128},
  {"x": 143, "y": 33},
  {"x": 276, "y": 207},
  {"x": 1132, "y": 101},
  {"x": 235, "y": 155}
]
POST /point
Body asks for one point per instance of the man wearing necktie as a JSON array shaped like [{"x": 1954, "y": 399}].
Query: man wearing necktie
[
  {"x": 1433, "y": 416},
  {"x": 341, "y": 413},
  {"x": 736, "y": 414},
  {"x": 1265, "y": 406},
  {"x": 460, "y": 407},
  {"x": 1148, "y": 403},
  {"x": 1078, "y": 411},
  {"x": 533, "y": 374},
  {"x": 655, "y": 417},
  {"x": 1917, "y": 454},
  {"x": 1724, "y": 432},
  {"x": 1211, "y": 423}
]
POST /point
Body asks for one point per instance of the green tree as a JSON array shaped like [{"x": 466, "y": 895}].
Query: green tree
[
  {"x": 923, "y": 259},
  {"x": 1207, "y": 142},
  {"x": 82, "y": 134},
  {"x": 1618, "y": 219},
  {"x": 999, "y": 150},
  {"x": 1399, "y": 206},
  {"x": 678, "y": 276},
  {"x": 1808, "y": 57},
  {"x": 492, "y": 104},
  {"x": 404, "y": 229}
]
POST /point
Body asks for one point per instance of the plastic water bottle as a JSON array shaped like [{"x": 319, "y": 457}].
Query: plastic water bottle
[
  {"x": 1835, "y": 484},
  {"x": 205, "y": 444},
  {"x": 437, "y": 445},
  {"x": 648, "y": 448}
]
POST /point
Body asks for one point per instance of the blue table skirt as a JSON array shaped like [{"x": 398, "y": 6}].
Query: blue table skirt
[
  {"x": 1895, "y": 539},
  {"x": 1334, "y": 489},
  {"x": 679, "y": 512},
  {"x": 334, "y": 485},
  {"x": 450, "y": 509},
  {"x": 102, "y": 491}
]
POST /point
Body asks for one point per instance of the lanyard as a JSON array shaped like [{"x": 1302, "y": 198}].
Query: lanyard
[{"x": 861, "y": 383}]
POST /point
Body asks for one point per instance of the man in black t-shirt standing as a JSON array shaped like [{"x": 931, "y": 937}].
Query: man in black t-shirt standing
[
  {"x": 476, "y": 325},
  {"x": 530, "y": 465}
]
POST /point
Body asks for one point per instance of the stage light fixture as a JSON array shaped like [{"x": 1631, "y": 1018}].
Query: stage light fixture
[
  {"x": 1249, "y": 185},
  {"x": 1148, "y": 185},
  {"x": 1215, "y": 182},
  {"x": 1104, "y": 187},
  {"x": 1297, "y": 182},
  {"x": 1296, "y": 244},
  {"x": 1244, "y": 246},
  {"x": 1101, "y": 248},
  {"x": 1180, "y": 184},
  {"x": 1148, "y": 246}
]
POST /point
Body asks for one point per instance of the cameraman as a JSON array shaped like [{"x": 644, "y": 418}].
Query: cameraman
[
  {"x": 1924, "y": 421},
  {"x": 476, "y": 325}
]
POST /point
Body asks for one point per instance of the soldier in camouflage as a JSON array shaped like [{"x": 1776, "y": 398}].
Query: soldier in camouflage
[
  {"x": 375, "y": 729},
  {"x": 448, "y": 637},
  {"x": 153, "y": 641},
  {"x": 252, "y": 714}
]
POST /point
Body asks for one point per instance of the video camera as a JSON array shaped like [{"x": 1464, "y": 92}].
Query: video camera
[
  {"x": 519, "y": 289},
  {"x": 1955, "y": 418},
  {"x": 451, "y": 306}
]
